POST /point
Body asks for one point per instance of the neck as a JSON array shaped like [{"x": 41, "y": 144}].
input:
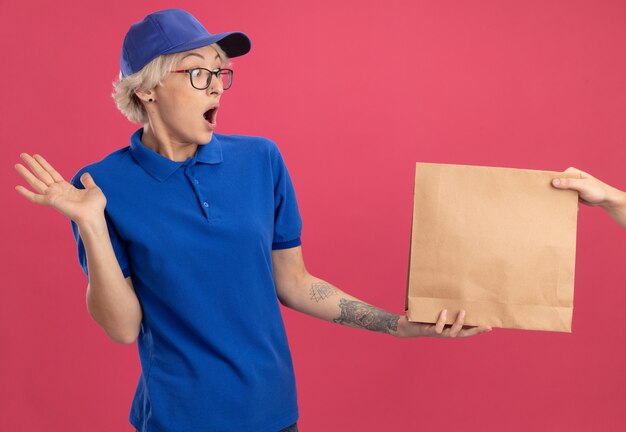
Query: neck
[{"x": 160, "y": 141}]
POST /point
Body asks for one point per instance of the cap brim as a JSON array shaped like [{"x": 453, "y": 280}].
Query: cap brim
[{"x": 234, "y": 44}]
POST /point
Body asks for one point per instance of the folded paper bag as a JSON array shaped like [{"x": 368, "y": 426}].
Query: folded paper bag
[{"x": 499, "y": 243}]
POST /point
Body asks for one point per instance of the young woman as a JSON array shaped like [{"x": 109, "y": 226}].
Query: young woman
[{"x": 190, "y": 239}]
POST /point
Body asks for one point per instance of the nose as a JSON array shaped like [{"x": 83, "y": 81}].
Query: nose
[{"x": 216, "y": 86}]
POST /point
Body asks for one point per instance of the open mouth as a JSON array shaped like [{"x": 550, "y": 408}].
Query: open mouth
[{"x": 210, "y": 115}]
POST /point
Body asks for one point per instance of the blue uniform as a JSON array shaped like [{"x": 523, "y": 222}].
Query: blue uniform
[{"x": 197, "y": 237}]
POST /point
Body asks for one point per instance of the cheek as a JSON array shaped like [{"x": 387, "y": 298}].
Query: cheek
[
  {"x": 176, "y": 103},
  {"x": 178, "y": 111}
]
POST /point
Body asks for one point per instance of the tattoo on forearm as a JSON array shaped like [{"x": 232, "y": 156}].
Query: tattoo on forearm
[
  {"x": 358, "y": 314},
  {"x": 321, "y": 290}
]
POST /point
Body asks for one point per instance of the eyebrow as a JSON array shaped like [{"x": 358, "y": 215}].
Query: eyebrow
[{"x": 199, "y": 55}]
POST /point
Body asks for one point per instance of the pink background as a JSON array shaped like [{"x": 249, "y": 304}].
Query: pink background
[{"x": 354, "y": 93}]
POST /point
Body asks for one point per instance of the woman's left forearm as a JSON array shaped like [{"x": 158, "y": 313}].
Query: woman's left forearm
[{"x": 323, "y": 300}]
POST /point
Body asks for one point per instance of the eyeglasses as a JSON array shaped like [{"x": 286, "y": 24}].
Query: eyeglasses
[{"x": 200, "y": 78}]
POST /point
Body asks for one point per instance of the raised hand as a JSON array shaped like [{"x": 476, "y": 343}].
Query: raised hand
[{"x": 54, "y": 191}]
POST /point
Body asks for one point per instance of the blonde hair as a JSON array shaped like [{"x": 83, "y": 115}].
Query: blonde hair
[{"x": 150, "y": 76}]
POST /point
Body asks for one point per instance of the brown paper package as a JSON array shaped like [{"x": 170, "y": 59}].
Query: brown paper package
[{"x": 499, "y": 243}]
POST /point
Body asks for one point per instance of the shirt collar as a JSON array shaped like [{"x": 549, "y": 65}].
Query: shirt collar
[{"x": 161, "y": 167}]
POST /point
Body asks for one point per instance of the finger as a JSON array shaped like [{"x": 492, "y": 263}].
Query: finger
[
  {"x": 473, "y": 331},
  {"x": 53, "y": 173},
  {"x": 572, "y": 170},
  {"x": 458, "y": 324},
  {"x": 87, "y": 180},
  {"x": 583, "y": 174},
  {"x": 441, "y": 322},
  {"x": 37, "y": 184},
  {"x": 37, "y": 169},
  {"x": 32, "y": 197},
  {"x": 565, "y": 183}
]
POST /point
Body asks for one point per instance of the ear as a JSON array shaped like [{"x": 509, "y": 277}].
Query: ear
[{"x": 145, "y": 95}]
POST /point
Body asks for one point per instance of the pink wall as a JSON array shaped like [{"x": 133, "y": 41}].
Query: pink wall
[{"x": 354, "y": 93}]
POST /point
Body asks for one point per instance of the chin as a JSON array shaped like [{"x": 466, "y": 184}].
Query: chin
[
  {"x": 201, "y": 138},
  {"x": 208, "y": 135}
]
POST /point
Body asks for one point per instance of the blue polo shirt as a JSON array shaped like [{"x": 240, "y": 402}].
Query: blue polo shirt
[{"x": 196, "y": 237}]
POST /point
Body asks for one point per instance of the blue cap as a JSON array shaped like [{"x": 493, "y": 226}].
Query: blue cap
[{"x": 170, "y": 31}]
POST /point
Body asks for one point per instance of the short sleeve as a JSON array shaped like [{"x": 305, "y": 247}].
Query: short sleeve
[
  {"x": 287, "y": 220},
  {"x": 118, "y": 244}
]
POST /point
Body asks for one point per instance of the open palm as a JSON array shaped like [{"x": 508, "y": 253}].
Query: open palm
[{"x": 54, "y": 191}]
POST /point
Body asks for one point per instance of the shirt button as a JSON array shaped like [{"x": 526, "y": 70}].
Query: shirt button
[
  {"x": 195, "y": 181},
  {"x": 206, "y": 204}
]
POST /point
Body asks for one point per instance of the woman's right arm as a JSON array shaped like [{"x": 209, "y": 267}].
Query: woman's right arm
[{"x": 111, "y": 298}]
